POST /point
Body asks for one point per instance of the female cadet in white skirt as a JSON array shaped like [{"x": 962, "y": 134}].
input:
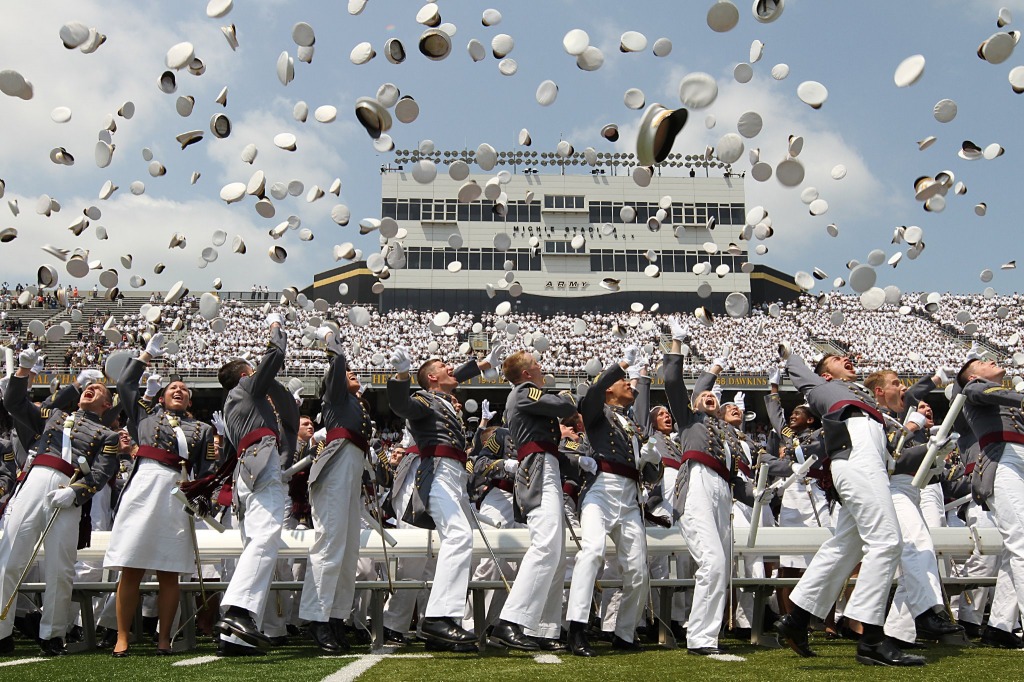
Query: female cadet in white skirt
[{"x": 151, "y": 530}]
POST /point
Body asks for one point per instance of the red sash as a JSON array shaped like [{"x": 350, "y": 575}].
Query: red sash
[{"x": 355, "y": 438}]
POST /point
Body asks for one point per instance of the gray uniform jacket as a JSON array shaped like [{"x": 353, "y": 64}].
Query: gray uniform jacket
[
  {"x": 341, "y": 410},
  {"x": 833, "y": 402},
  {"x": 612, "y": 433},
  {"x": 259, "y": 401},
  {"x": 533, "y": 418},
  {"x": 435, "y": 427},
  {"x": 996, "y": 416},
  {"x": 148, "y": 425},
  {"x": 667, "y": 444},
  {"x": 89, "y": 438},
  {"x": 8, "y": 471},
  {"x": 488, "y": 464}
]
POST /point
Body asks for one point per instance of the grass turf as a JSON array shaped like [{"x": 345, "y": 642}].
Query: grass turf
[{"x": 300, "y": 662}]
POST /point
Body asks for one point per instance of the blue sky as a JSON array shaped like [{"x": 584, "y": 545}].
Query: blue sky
[{"x": 867, "y": 124}]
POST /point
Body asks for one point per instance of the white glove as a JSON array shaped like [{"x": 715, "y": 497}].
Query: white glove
[
  {"x": 153, "y": 385},
  {"x": 633, "y": 371},
  {"x": 775, "y": 376},
  {"x": 649, "y": 454},
  {"x": 323, "y": 332},
  {"x": 944, "y": 375},
  {"x": 320, "y": 436},
  {"x": 273, "y": 318},
  {"x": 629, "y": 354},
  {"x": 400, "y": 360},
  {"x": 217, "y": 419},
  {"x": 511, "y": 466},
  {"x": 61, "y": 498},
  {"x": 588, "y": 464},
  {"x": 485, "y": 410},
  {"x": 918, "y": 419},
  {"x": 297, "y": 394},
  {"x": 678, "y": 330},
  {"x": 363, "y": 388},
  {"x": 741, "y": 400},
  {"x": 496, "y": 356},
  {"x": 38, "y": 367},
  {"x": 155, "y": 347},
  {"x": 89, "y": 376},
  {"x": 723, "y": 359},
  {"x": 975, "y": 352},
  {"x": 945, "y": 446},
  {"x": 27, "y": 358},
  {"x": 717, "y": 392}
]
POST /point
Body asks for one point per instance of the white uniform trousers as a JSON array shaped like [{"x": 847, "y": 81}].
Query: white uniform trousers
[
  {"x": 260, "y": 525},
  {"x": 673, "y": 565},
  {"x": 1007, "y": 505},
  {"x": 92, "y": 571},
  {"x": 866, "y": 528},
  {"x": 455, "y": 557},
  {"x": 1003, "y": 612},
  {"x": 24, "y": 521},
  {"x": 610, "y": 509},
  {"x": 535, "y": 601},
  {"x": 495, "y": 507},
  {"x": 751, "y": 567},
  {"x": 918, "y": 588},
  {"x": 400, "y": 606},
  {"x": 803, "y": 506},
  {"x": 933, "y": 506},
  {"x": 330, "y": 583},
  {"x": 706, "y": 530}
]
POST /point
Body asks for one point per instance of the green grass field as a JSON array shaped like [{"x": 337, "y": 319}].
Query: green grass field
[{"x": 301, "y": 662}]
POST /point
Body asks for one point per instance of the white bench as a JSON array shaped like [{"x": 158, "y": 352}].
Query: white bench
[{"x": 512, "y": 544}]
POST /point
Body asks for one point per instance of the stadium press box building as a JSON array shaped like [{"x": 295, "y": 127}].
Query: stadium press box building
[{"x": 578, "y": 238}]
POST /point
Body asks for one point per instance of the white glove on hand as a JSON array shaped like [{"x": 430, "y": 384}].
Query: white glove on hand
[
  {"x": 61, "y": 498},
  {"x": 496, "y": 356},
  {"x": 320, "y": 436},
  {"x": 89, "y": 376},
  {"x": 217, "y": 419},
  {"x": 400, "y": 360},
  {"x": 716, "y": 390},
  {"x": 944, "y": 375},
  {"x": 588, "y": 464},
  {"x": 916, "y": 418},
  {"x": 741, "y": 400},
  {"x": 775, "y": 376},
  {"x": 678, "y": 331},
  {"x": 511, "y": 466},
  {"x": 975, "y": 352},
  {"x": 633, "y": 371},
  {"x": 723, "y": 359},
  {"x": 630, "y": 354},
  {"x": 273, "y": 318},
  {"x": 485, "y": 410},
  {"x": 649, "y": 454},
  {"x": 153, "y": 385},
  {"x": 27, "y": 358},
  {"x": 297, "y": 394},
  {"x": 40, "y": 364},
  {"x": 323, "y": 332},
  {"x": 155, "y": 346}
]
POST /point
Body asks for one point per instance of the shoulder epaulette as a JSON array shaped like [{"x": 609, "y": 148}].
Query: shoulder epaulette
[
  {"x": 535, "y": 394},
  {"x": 422, "y": 399}
]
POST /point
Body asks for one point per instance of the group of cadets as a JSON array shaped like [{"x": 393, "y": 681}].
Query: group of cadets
[{"x": 604, "y": 463}]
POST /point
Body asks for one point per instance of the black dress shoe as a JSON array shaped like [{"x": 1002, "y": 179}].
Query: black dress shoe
[
  {"x": 578, "y": 644},
  {"x": 436, "y": 645},
  {"x": 846, "y": 632},
  {"x": 886, "y": 653},
  {"x": 624, "y": 645},
  {"x": 546, "y": 644},
  {"x": 794, "y": 635},
  {"x": 905, "y": 645},
  {"x": 164, "y": 652},
  {"x": 278, "y": 642},
  {"x": 323, "y": 634},
  {"x": 7, "y": 645},
  {"x": 393, "y": 636},
  {"x": 1001, "y": 639},
  {"x": 239, "y": 623},
  {"x": 108, "y": 640},
  {"x": 75, "y": 635},
  {"x": 230, "y": 649},
  {"x": 119, "y": 654},
  {"x": 511, "y": 635},
  {"x": 705, "y": 651},
  {"x": 936, "y": 625},
  {"x": 445, "y": 630},
  {"x": 53, "y": 647},
  {"x": 28, "y": 625},
  {"x": 972, "y": 630},
  {"x": 293, "y": 630}
]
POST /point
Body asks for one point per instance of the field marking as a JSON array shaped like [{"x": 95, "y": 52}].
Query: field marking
[
  {"x": 728, "y": 658},
  {"x": 363, "y": 663},
  {"x": 23, "y": 661},
  {"x": 198, "y": 660},
  {"x": 546, "y": 658}
]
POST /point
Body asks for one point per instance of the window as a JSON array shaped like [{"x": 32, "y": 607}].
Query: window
[{"x": 564, "y": 202}]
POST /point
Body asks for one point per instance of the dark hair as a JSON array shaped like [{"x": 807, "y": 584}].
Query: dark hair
[
  {"x": 231, "y": 373},
  {"x": 807, "y": 412},
  {"x": 819, "y": 366},
  {"x": 961, "y": 376},
  {"x": 425, "y": 369}
]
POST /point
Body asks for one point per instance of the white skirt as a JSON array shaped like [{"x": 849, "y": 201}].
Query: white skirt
[
  {"x": 799, "y": 503},
  {"x": 151, "y": 528}
]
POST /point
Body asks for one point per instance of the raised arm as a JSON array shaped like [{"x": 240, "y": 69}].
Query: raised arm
[
  {"x": 128, "y": 393},
  {"x": 336, "y": 383},
  {"x": 592, "y": 406},
  {"x": 776, "y": 415},
  {"x": 675, "y": 389},
  {"x": 981, "y": 393},
  {"x": 642, "y": 404},
  {"x": 802, "y": 376},
  {"x": 273, "y": 359}
]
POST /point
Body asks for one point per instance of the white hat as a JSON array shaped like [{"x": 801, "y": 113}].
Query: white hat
[
  {"x": 656, "y": 135},
  {"x": 723, "y": 16},
  {"x": 435, "y": 44}
]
